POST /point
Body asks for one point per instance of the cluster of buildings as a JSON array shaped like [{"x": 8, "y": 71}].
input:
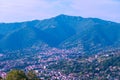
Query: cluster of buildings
[{"x": 41, "y": 60}]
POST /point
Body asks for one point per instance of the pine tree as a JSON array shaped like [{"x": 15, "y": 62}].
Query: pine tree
[{"x": 16, "y": 75}]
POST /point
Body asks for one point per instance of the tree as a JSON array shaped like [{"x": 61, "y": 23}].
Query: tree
[
  {"x": 16, "y": 75},
  {"x": 32, "y": 75}
]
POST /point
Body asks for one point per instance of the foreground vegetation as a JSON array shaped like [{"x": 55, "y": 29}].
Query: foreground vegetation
[{"x": 20, "y": 75}]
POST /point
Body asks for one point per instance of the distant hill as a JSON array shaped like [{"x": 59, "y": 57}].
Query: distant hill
[{"x": 62, "y": 31}]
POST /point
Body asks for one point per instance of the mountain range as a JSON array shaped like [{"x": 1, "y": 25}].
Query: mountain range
[{"x": 90, "y": 35}]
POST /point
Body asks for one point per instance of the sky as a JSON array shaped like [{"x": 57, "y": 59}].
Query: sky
[{"x": 26, "y": 10}]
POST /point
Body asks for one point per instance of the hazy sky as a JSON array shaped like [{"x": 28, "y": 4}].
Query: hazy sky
[{"x": 22, "y": 10}]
